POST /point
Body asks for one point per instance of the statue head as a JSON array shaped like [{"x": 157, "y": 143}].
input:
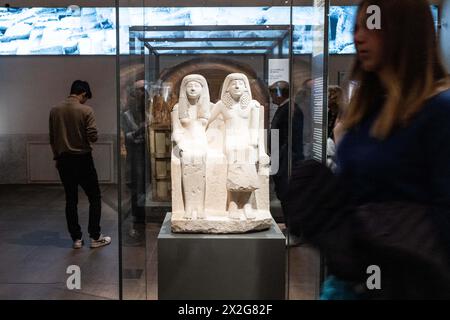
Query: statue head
[
  {"x": 236, "y": 88},
  {"x": 194, "y": 87}
]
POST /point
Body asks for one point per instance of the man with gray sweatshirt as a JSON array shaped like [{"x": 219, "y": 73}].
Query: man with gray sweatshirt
[{"x": 72, "y": 131}]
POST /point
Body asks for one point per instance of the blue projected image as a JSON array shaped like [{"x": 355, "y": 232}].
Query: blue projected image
[
  {"x": 92, "y": 31},
  {"x": 57, "y": 31},
  {"x": 218, "y": 18},
  {"x": 342, "y": 20}
]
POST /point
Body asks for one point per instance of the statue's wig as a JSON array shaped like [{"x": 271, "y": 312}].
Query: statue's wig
[
  {"x": 203, "y": 102},
  {"x": 226, "y": 97}
]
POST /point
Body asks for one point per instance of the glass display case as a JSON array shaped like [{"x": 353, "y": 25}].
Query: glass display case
[
  {"x": 285, "y": 52},
  {"x": 280, "y": 47}
]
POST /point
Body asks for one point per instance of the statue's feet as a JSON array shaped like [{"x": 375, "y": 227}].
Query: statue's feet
[
  {"x": 249, "y": 212},
  {"x": 201, "y": 214},
  {"x": 187, "y": 214},
  {"x": 233, "y": 211},
  {"x": 235, "y": 214}
]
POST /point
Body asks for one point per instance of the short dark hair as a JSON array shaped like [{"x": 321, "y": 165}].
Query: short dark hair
[
  {"x": 80, "y": 87},
  {"x": 280, "y": 88}
]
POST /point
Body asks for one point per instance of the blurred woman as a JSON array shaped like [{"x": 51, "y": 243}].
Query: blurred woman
[
  {"x": 388, "y": 207},
  {"x": 398, "y": 124}
]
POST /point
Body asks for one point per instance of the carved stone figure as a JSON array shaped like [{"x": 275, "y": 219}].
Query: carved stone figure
[
  {"x": 220, "y": 170},
  {"x": 189, "y": 119},
  {"x": 242, "y": 149}
]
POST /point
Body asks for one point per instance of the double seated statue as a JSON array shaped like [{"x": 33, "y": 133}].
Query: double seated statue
[{"x": 220, "y": 169}]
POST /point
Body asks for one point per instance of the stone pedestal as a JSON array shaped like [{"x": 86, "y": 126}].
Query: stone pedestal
[
  {"x": 209, "y": 266},
  {"x": 221, "y": 224}
]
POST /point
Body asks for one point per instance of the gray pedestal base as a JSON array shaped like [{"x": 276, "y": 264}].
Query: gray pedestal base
[{"x": 235, "y": 266}]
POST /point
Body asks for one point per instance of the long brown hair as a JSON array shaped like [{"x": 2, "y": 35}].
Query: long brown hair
[{"x": 412, "y": 70}]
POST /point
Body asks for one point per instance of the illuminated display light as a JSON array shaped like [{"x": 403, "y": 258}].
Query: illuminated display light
[{"x": 92, "y": 31}]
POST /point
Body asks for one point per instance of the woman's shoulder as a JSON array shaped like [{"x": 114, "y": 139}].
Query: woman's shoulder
[
  {"x": 439, "y": 103},
  {"x": 436, "y": 112}
]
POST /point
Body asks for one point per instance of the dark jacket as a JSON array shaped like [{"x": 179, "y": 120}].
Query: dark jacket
[
  {"x": 399, "y": 237},
  {"x": 280, "y": 122}
]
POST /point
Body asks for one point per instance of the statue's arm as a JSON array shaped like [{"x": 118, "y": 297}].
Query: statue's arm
[
  {"x": 263, "y": 158},
  {"x": 177, "y": 128},
  {"x": 254, "y": 123},
  {"x": 216, "y": 110},
  {"x": 206, "y": 115}
]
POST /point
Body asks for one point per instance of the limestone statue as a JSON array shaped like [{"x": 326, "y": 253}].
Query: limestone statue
[
  {"x": 220, "y": 169},
  {"x": 242, "y": 127},
  {"x": 189, "y": 119}
]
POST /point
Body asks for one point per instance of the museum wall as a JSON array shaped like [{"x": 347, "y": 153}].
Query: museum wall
[
  {"x": 35, "y": 84},
  {"x": 255, "y": 62},
  {"x": 337, "y": 63},
  {"x": 29, "y": 87}
]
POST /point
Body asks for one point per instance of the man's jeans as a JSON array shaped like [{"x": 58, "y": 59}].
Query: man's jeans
[{"x": 77, "y": 170}]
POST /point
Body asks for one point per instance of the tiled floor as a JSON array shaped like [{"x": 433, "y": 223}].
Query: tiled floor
[
  {"x": 35, "y": 248},
  {"x": 35, "y": 251}
]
